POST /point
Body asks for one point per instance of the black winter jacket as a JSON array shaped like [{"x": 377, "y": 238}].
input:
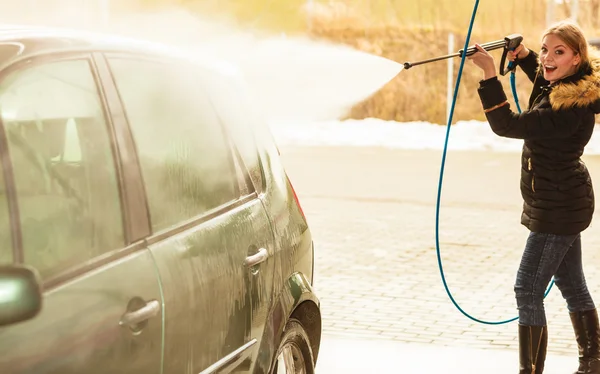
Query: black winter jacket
[{"x": 555, "y": 183}]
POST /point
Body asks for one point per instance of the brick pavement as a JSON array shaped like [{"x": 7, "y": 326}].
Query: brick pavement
[{"x": 372, "y": 215}]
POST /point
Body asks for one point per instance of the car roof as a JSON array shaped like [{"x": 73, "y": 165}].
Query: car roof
[{"x": 30, "y": 41}]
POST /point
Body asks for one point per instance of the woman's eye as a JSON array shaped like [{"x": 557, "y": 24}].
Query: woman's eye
[
  {"x": 559, "y": 52},
  {"x": 544, "y": 50}
]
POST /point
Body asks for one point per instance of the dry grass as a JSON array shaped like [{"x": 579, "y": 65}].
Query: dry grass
[{"x": 420, "y": 93}]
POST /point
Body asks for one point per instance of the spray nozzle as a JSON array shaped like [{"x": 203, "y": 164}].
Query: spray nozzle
[{"x": 509, "y": 43}]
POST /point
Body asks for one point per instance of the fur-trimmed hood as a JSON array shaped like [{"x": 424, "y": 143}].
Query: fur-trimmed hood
[{"x": 581, "y": 92}]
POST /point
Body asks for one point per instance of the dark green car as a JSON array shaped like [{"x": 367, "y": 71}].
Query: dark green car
[{"x": 147, "y": 224}]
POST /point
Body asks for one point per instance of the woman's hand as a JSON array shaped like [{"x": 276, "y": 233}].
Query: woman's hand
[
  {"x": 519, "y": 53},
  {"x": 484, "y": 61}
]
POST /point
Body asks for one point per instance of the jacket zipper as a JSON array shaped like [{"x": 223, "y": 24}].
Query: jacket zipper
[
  {"x": 530, "y": 168},
  {"x": 536, "y": 99},
  {"x": 545, "y": 89}
]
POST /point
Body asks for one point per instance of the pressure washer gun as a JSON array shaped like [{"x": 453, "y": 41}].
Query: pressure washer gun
[{"x": 509, "y": 43}]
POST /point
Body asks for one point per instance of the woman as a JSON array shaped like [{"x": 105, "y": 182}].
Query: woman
[{"x": 555, "y": 184}]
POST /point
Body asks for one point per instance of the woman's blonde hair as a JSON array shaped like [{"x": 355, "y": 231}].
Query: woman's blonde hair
[{"x": 573, "y": 36}]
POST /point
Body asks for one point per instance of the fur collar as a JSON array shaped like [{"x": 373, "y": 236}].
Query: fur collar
[{"x": 581, "y": 91}]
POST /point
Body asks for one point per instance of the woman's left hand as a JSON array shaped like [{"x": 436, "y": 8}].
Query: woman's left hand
[{"x": 484, "y": 61}]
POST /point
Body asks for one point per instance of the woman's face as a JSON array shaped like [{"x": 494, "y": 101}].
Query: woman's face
[{"x": 557, "y": 59}]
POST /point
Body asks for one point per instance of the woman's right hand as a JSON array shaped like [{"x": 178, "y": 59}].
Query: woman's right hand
[{"x": 519, "y": 53}]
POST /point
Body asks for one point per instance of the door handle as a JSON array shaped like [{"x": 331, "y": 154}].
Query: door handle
[
  {"x": 136, "y": 317},
  {"x": 260, "y": 256}
]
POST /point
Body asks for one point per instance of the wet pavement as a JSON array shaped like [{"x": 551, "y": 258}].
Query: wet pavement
[{"x": 372, "y": 213}]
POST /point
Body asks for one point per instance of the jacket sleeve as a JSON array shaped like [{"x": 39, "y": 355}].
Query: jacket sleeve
[
  {"x": 530, "y": 65},
  {"x": 535, "y": 124}
]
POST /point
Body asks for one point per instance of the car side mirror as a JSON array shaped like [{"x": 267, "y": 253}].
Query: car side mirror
[{"x": 20, "y": 294}]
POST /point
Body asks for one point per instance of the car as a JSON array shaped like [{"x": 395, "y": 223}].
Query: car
[{"x": 147, "y": 223}]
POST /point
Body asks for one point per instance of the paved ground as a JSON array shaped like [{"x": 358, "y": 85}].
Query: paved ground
[
  {"x": 354, "y": 356},
  {"x": 372, "y": 212}
]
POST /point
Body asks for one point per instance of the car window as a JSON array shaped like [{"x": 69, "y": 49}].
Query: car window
[
  {"x": 185, "y": 155},
  {"x": 63, "y": 165},
  {"x": 233, "y": 101}
]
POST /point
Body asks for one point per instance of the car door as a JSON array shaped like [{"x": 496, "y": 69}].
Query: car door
[
  {"x": 68, "y": 200},
  {"x": 211, "y": 238}
]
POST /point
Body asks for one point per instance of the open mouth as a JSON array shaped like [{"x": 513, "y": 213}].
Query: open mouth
[{"x": 549, "y": 68}]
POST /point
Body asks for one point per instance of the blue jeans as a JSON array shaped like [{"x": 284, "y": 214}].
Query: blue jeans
[{"x": 548, "y": 255}]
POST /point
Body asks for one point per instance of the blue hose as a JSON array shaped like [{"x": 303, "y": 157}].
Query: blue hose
[
  {"x": 513, "y": 85},
  {"x": 439, "y": 194}
]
